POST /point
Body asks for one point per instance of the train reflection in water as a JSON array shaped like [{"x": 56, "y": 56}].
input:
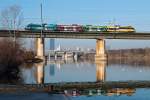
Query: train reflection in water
[
  {"x": 106, "y": 92},
  {"x": 42, "y": 74}
]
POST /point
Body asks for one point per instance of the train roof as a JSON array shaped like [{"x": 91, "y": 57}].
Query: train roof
[
  {"x": 118, "y": 26},
  {"x": 94, "y": 26},
  {"x": 36, "y": 25},
  {"x": 69, "y": 25}
]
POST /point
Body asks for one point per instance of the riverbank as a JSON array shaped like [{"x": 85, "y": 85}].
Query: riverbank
[
  {"x": 60, "y": 87},
  {"x": 138, "y": 56}
]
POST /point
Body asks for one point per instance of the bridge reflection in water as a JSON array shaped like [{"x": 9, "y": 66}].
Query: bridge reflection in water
[
  {"x": 99, "y": 87},
  {"x": 40, "y": 71},
  {"x": 106, "y": 92},
  {"x": 101, "y": 71}
]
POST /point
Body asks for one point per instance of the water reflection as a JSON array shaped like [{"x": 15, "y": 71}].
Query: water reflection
[
  {"x": 106, "y": 92},
  {"x": 34, "y": 74},
  {"x": 70, "y": 71},
  {"x": 101, "y": 71},
  {"x": 39, "y": 74},
  {"x": 52, "y": 69}
]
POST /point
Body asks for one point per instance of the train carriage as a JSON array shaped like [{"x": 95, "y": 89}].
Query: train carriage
[
  {"x": 120, "y": 29},
  {"x": 70, "y": 28},
  {"x": 34, "y": 27},
  {"x": 126, "y": 29},
  {"x": 91, "y": 28},
  {"x": 50, "y": 27},
  {"x": 112, "y": 28}
]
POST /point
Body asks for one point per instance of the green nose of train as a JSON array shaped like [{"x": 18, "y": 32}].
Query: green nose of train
[
  {"x": 37, "y": 27},
  {"x": 79, "y": 28}
]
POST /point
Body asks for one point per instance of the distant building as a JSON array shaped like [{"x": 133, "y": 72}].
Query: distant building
[
  {"x": 58, "y": 48},
  {"x": 52, "y": 44}
]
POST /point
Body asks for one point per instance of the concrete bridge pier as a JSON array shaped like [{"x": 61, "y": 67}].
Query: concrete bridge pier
[
  {"x": 40, "y": 48},
  {"x": 100, "y": 50}
]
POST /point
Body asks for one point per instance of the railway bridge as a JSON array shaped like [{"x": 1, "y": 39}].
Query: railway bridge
[{"x": 99, "y": 36}]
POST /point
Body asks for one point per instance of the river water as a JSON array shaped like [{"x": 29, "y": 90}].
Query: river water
[{"x": 84, "y": 71}]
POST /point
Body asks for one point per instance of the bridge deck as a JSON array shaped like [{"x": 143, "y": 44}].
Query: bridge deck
[{"x": 75, "y": 35}]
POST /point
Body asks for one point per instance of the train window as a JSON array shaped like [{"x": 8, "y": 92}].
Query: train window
[
  {"x": 126, "y": 28},
  {"x": 103, "y": 29},
  {"x": 112, "y": 28},
  {"x": 94, "y": 28}
]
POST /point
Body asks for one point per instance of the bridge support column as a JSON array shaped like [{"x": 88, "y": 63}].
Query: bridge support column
[
  {"x": 101, "y": 71},
  {"x": 40, "y": 48},
  {"x": 100, "y": 50}
]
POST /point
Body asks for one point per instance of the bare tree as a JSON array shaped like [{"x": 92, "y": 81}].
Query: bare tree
[
  {"x": 5, "y": 20},
  {"x": 10, "y": 59},
  {"x": 12, "y": 17}
]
